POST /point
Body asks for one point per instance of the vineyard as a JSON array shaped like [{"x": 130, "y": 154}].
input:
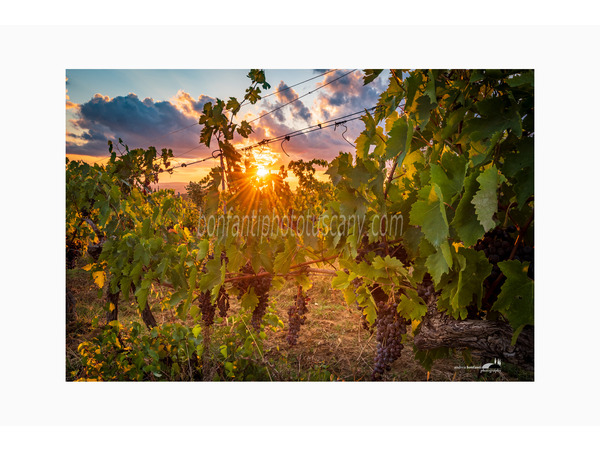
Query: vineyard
[{"x": 414, "y": 261}]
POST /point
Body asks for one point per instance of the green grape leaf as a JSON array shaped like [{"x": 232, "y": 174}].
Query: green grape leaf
[
  {"x": 358, "y": 176},
  {"x": 141, "y": 294},
  {"x": 423, "y": 111},
  {"x": 465, "y": 220},
  {"x": 277, "y": 283},
  {"x": 192, "y": 278},
  {"x": 176, "y": 297},
  {"x": 202, "y": 249},
  {"x": 516, "y": 161},
  {"x": 236, "y": 258},
  {"x": 212, "y": 277},
  {"x": 196, "y": 331},
  {"x": 524, "y": 185},
  {"x": 459, "y": 292},
  {"x": 352, "y": 203},
  {"x": 249, "y": 300},
  {"x": 440, "y": 262},
  {"x": 486, "y": 198},
  {"x": 429, "y": 213},
  {"x": 233, "y": 105},
  {"x": 400, "y": 136},
  {"x": 370, "y": 75},
  {"x": 411, "y": 239},
  {"x": 515, "y": 300},
  {"x": 390, "y": 121},
  {"x": 284, "y": 259},
  {"x": 365, "y": 300},
  {"x": 340, "y": 281},
  {"x": 363, "y": 143},
  {"x": 411, "y": 306},
  {"x": 388, "y": 262},
  {"x": 450, "y": 175},
  {"x": 146, "y": 228},
  {"x": 430, "y": 88}
]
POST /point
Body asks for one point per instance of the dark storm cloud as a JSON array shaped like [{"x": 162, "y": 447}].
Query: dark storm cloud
[
  {"x": 94, "y": 136},
  {"x": 126, "y": 114},
  {"x": 139, "y": 123}
]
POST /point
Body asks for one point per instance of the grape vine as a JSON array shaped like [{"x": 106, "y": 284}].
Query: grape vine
[{"x": 441, "y": 167}]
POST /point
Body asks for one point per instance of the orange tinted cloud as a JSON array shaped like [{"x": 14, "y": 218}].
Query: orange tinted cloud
[{"x": 187, "y": 105}]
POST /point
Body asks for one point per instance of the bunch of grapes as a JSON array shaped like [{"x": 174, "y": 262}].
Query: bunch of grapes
[
  {"x": 390, "y": 328},
  {"x": 207, "y": 309},
  {"x": 261, "y": 287},
  {"x": 498, "y": 244},
  {"x": 223, "y": 302},
  {"x": 297, "y": 316}
]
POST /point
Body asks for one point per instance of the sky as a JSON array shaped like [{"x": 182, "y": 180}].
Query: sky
[{"x": 160, "y": 108}]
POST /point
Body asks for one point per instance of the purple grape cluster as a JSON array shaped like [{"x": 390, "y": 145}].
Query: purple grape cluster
[
  {"x": 207, "y": 309},
  {"x": 297, "y": 317},
  {"x": 390, "y": 329},
  {"x": 223, "y": 302},
  {"x": 261, "y": 286}
]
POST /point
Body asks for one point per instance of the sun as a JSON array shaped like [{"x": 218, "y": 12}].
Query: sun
[
  {"x": 262, "y": 160},
  {"x": 262, "y": 171}
]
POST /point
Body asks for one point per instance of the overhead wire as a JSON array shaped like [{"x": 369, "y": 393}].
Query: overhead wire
[
  {"x": 297, "y": 132},
  {"x": 286, "y": 137},
  {"x": 301, "y": 96},
  {"x": 294, "y": 85}
]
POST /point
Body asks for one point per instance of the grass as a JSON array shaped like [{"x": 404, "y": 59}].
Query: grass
[{"x": 332, "y": 344}]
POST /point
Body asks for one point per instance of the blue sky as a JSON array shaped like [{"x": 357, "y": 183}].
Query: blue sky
[{"x": 143, "y": 106}]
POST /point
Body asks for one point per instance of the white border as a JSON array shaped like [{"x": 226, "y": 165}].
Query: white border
[{"x": 33, "y": 390}]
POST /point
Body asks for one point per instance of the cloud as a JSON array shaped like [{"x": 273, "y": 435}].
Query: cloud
[
  {"x": 186, "y": 104},
  {"x": 348, "y": 93},
  {"x": 140, "y": 123},
  {"x": 285, "y": 95},
  {"x": 70, "y": 104}
]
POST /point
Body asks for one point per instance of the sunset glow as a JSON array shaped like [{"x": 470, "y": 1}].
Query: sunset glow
[
  {"x": 161, "y": 108},
  {"x": 262, "y": 171}
]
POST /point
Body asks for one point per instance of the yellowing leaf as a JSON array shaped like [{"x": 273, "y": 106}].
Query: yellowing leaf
[
  {"x": 111, "y": 307},
  {"x": 88, "y": 267},
  {"x": 414, "y": 324},
  {"x": 99, "y": 278},
  {"x": 457, "y": 245}
]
